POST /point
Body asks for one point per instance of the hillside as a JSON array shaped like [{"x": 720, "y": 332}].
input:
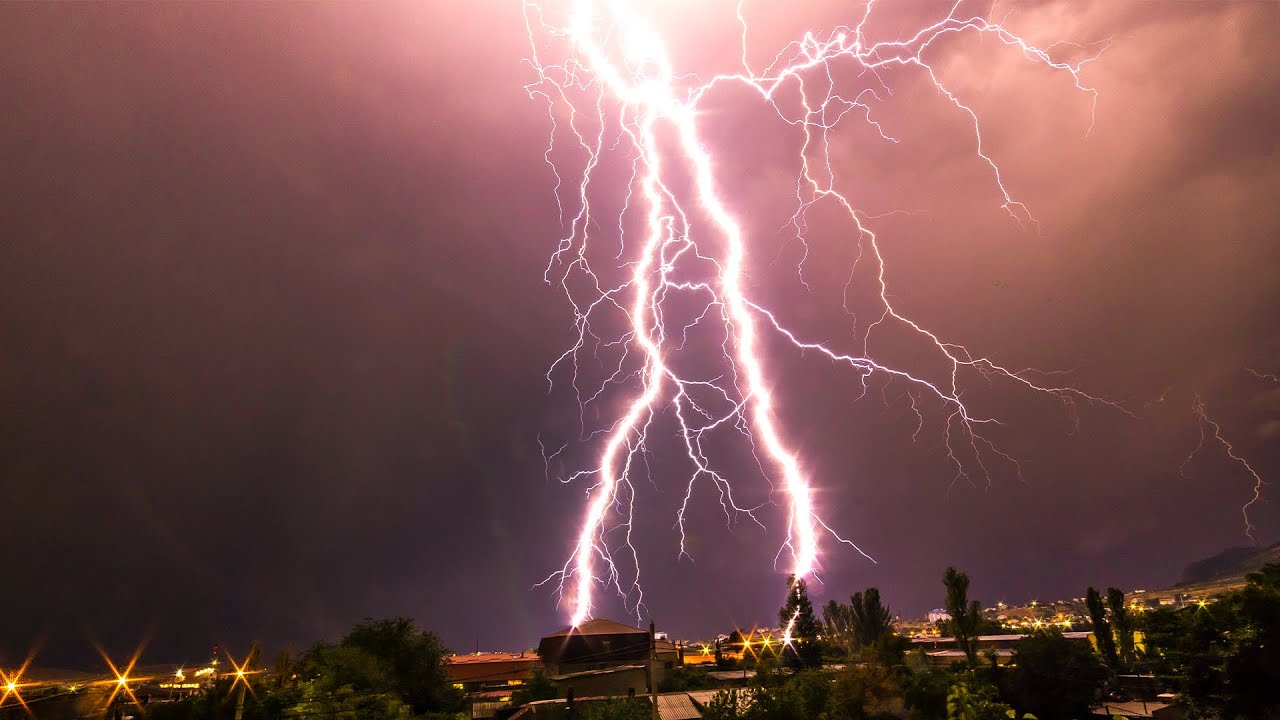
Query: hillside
[{"x": 1230, "y": 564}]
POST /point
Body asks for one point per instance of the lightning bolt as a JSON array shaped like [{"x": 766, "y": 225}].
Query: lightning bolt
[
  {"x": 611, "y": 91},
  {"x": 1264, "y": 376},
  {"x": 1208, "y": 426}
]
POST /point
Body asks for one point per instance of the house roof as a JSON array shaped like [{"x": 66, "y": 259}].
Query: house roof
[
  {"x": 1076, "y": 635},
  {"x": 601, "y": 671},
  {"x": 732, "y": 674},
  {"x": 677, "y": 706},
  {"x": 599, "y": 626},
  {"x": 1133, "y": 709},
  {"x": 1001, "y": 652},
  {"x": 492, "y": 658}
]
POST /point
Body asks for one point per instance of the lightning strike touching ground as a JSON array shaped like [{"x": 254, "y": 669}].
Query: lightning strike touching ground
[
  {"x": 611, "y": 91},
  {"x": 1203, "y": 422}
]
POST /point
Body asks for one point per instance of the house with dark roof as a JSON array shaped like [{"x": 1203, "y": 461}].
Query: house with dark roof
[
  {"x": 604, "y": 655},
  {"x": 491, "y": 671}
]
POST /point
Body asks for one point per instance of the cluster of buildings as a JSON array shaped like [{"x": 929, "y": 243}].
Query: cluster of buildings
[
  {"x": 599, "y": 659},
  {"x": 1065, "y": 615},
  {"x": 605, "y": 660}
]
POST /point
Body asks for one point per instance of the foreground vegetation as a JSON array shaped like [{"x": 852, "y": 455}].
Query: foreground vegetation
[
  {"x": 380, "y": 669},
  {"x": 1222, "y": 658}
]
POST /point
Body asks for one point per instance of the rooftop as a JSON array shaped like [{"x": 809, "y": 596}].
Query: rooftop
[
  {"x": 601, "y": 671},
  {"x": 599, "y": 626},
  {"x": 492, "y": 657},
  {"x": 1078, "y": 635}
]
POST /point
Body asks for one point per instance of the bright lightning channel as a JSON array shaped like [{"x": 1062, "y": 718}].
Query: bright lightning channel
[
  {"x": 609, "y": 85},
  {"x": 1205, "y": 422}
]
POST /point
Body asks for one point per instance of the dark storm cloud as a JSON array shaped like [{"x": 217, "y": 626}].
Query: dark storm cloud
[{"x": 274, "y": 330}]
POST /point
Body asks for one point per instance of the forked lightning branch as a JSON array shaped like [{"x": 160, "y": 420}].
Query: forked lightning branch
[{"x": 606, "y": 76}]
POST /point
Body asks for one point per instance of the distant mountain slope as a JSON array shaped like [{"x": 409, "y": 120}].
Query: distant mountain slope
[{"x": 1230, "y": 563}]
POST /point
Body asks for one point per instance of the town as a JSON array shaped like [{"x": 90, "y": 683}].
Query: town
[{"x": 1102, "y": 655}]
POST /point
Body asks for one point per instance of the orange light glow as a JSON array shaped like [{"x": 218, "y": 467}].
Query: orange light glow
[
  {"x": 13, "y": 684},
  {"x": 120, "y": 679},
  {"x": 241, "y": 672}
]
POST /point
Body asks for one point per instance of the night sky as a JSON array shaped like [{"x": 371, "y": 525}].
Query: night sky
[{"x": 274, "y": 331}]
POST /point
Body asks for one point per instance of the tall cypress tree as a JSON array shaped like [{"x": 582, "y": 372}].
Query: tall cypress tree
[
  {"x": 1101, "y": 628},
  {"x": 871, "y": 619},
  {"x": 966, "y": 616},
  {"x": 804, "y": 650},
  {"x": 1121, "y": 625}
]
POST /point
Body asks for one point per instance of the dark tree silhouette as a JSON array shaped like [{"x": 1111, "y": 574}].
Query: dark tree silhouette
[
  {"x": 1101, "y": 628},
  {"x": 1121, "y": 626},
  {"x": 837, "y": 626},
  {"x": 1223, "y": 658},
  {"x": 1054, "y": 678},
  {"x": 871, "y": 620},
  {"x": 804, "y": 649},
  {"x": 966, "y": 616},
  {"x": 862, "y": 624}
]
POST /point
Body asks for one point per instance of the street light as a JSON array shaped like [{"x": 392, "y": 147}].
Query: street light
[{"x": 120, "y": 683}]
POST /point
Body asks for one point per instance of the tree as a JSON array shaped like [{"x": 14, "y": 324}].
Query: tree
[
  {"x": 925, "y": 692},
  {"x": 863, "y": 624},
  {"x": 681, "y": 679},
  {"x": 538, "y": 688},
  {"x": 837, "y": 626},
  {"x": 797, "y": 614},
  {"x": 284, "y": 668},
  {"x": 1121, "y": 625},
  {"x": 968, "y": 700},
  {"x": 413, "y": 661},
  {"x": 861, "y": 692},
  {"x": 1101, "y": 628},
  {"x": 871, "y": 620},
  {"x": 1223, "y": 657},
  {"x": 966, "y": 617},
  {"x": 1053, "y": 677},
  {"x": 857, "y": 693},
  {"x": 381, "y": 668},
  {"x": 733, "y": 704}
]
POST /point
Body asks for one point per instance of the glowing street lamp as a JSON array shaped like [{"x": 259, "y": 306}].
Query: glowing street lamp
[
  {"x": 13, "y": 684},
  {"x": 119, "y": 683},
  {"x": 240, "y": 678}
]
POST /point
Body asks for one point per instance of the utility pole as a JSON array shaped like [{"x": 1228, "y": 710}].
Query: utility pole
[{"x": 648, "y": 672}]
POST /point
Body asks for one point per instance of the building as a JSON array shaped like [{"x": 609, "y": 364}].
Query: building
[
  {"x": 491, "y": 672},
  {"x": 944, "y": 650},
  {"x": 603, "y": 656},
  {"x": 669, "y": 706},
  {"x": 617, "y": 681},
  {"x": 598, "y": 644}
]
